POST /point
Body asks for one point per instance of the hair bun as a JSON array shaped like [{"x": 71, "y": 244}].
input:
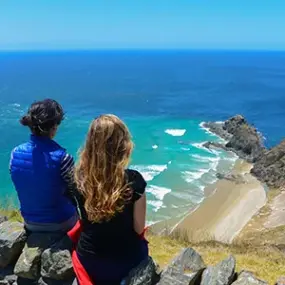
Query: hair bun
[{"x": 26, "y": 120}]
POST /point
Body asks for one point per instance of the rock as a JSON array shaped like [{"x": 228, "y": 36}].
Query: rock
[
  {"x": 247, "y": 278},
  {"x": 4, "y": 282},
  {"x": 210, "y": 145},
  {"x": 281, "y": 281},
  {"x": 56, "y": 261},
  {"x": 144, "y": 274},
  {"x": 221, "y": 274},
  {"x": 243, "y": 139},
  {"x": 174, "y": 277},
  {"x": 234, "y": 123},
  {"x": 236, "y": 178},
  {"x": 270, "y": 168},
  {"x": 246, "y": 143},
  {"x": 188, "y": 260},
  {"x": 28, "y": 265},
  {"x": 3, "y": 219},
  {"x": 12, "y": 241},
  {"x": 218, "y": 129}
]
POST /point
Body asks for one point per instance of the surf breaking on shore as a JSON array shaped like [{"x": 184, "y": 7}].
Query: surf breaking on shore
[
  {"x": 199, "y": 172},
  {"x": 235, "y": 197}
]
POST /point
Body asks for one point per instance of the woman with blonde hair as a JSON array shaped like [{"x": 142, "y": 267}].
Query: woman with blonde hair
[{"x": 112, "y": 202}]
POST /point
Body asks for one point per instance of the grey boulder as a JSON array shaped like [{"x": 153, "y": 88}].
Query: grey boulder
[
  {"x": 221, "y": 274},
  {"x": 185, "y": 269},
  {"x": 56, "y": 261},
  {"x": 188, "y": 260},
  {"x": 12, "y": 241},
  {"x": 247, "y": 278},
  {"x": 28, "y": 265}
]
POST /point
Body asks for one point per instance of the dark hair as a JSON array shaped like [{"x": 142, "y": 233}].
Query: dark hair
[{"x": 43, "y": 116}]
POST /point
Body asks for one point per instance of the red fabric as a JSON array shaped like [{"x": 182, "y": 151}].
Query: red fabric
[{"x": 81, "y": 274}]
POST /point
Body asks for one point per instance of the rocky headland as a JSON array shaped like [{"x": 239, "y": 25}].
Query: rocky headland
[{"x": 245, "y": 140}]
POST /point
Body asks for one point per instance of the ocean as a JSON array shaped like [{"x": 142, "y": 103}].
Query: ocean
[{"x": 163, "y": 96}]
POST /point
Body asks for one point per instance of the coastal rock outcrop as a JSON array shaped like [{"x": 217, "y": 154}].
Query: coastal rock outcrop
[
  {"x": 244, "y": 139},
  {"x": 270, "y": 168},
  {"x": 241, "y": 137}
]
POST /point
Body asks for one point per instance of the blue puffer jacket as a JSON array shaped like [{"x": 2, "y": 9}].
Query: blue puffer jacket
[{"x": 35, "y": 171}]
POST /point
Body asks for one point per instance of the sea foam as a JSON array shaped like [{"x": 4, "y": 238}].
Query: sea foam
[
  {"x": 158, "y": 191},
  {"x": 175, "y": 132},
  {"x": 150, "y": 171}
]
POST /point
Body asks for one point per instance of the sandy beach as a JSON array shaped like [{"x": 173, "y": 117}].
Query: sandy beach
[{"x": 227, "y": 208}]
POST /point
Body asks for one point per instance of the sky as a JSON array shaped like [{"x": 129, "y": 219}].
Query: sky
[{"x": 143, "y": 24}]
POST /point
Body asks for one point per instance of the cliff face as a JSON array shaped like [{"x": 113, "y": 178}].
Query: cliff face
[{"x": 270, "y": 168}]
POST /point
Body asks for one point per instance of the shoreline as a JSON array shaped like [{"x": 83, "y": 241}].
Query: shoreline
[{"x": 227, "y": 208}]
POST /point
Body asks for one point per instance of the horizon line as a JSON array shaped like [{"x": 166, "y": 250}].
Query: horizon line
[{"x": 13, "y": 50}]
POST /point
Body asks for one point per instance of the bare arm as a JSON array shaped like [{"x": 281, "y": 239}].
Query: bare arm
[{"x": 140, "y": 214}]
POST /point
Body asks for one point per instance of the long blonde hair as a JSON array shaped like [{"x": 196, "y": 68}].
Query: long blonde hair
[{"x": 100, "y": 172}]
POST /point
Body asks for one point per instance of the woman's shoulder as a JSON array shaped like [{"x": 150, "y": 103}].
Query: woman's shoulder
[{"x": 137, "y": 181}]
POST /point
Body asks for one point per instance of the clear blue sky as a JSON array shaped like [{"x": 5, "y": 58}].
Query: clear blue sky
[{"x": 64, "y": 24}]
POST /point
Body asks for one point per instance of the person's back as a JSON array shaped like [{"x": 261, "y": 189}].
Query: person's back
[
  {"x": 113, "y": 204},
  {"x": 40, "y": 170}
]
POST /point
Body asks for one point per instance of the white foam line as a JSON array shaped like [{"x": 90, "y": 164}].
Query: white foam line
[{"x": 158, "y": 191}]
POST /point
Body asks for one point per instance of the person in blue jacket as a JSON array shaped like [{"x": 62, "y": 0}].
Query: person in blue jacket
[{"x": 41, "y": 171}]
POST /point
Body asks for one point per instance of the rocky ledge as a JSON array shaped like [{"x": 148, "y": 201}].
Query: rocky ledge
[
  {"x": 39, "y": 258},
  {"x": 44, "y": 259},
  {"x": 244, "y": 140}
]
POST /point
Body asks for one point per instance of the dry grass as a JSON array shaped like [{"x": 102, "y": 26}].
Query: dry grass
[
  {"x": 7, "y": 208},
  {"x": 266, "y": 262}
]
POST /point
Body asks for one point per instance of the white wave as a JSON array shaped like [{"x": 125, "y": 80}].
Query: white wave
[
  {"x": 16, "y": 105},
  {"x": 204, "y": 158},
  {"x": 185, "y": 148},
  {"x": 175, "y": 132},
  {"x": 155, "y": 204},
  {"x": 149, "y": 171},
  {"x": 158, "y": 191},
  {"x": 155, "y": 146},
  {"x": 190, "y": 176},
  {"x": 201, "y": 146},
  {"x": 149, "y": 223},
  {"x": 207, "y": 130}
]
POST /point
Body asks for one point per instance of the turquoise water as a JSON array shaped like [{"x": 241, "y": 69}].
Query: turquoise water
[
  {"x": 168, "y": 153},
  {"x": 162, "y": 95}
]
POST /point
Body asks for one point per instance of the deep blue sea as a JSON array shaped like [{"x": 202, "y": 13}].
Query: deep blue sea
[{"x": 162, "y": 95}]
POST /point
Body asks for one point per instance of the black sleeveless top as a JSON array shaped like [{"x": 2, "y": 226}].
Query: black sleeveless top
[{"x": 115, "y": 238}]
